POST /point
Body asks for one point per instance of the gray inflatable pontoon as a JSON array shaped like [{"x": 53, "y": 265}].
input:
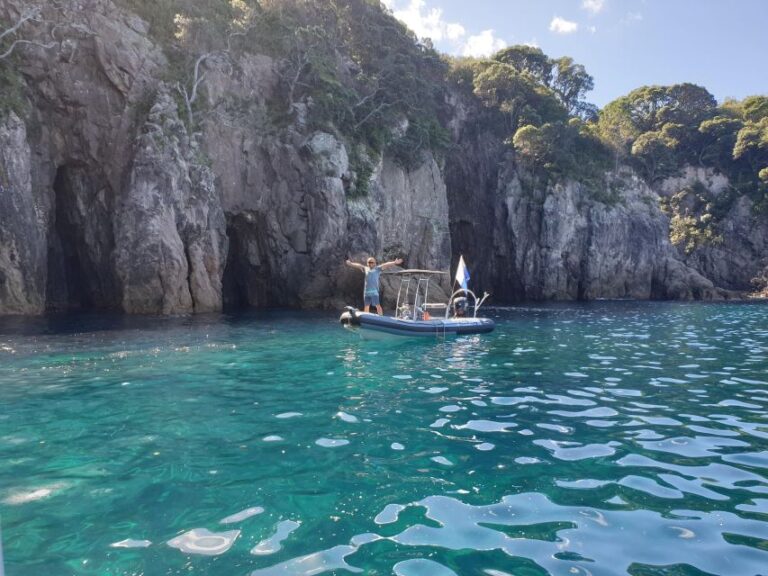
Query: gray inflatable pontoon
[
  {"x": 434, "y": 327},
  {"x": 415, "y": 315}
]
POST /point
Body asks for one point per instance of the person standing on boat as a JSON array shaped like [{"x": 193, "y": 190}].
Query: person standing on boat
[{"x": 372, "y": 273}]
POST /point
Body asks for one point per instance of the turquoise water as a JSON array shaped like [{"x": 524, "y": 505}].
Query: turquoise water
[{"x": 609, "y": 438}]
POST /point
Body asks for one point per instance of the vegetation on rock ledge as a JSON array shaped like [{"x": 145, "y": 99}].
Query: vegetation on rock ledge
[
  {"x": 346, "y": 66},
  {"x": 350, "y": 67}
]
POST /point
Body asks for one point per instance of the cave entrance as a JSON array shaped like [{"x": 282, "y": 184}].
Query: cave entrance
[
  {"x": 246, "y": 275},
  {"x": 234, "y": 288},
  {"x": 80, "y": 243}
]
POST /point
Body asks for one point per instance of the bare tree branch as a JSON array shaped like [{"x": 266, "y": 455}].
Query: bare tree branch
[
  {"x": 35, "y": 14},
  {"x": 190, "y": 93},
  {"x": 376, "y": 110},
  {"x": 31, "y": 14},
  {"x": 198, "y": 78},
  {"x": 365, "y": 99},
  {"x": 26, "y": 42}
]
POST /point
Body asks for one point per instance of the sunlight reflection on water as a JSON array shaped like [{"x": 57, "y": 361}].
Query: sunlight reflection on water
[{"x": 596, "y": 439}]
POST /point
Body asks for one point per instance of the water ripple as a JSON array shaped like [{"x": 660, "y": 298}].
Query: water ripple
[{"x": 606, "y": 438}]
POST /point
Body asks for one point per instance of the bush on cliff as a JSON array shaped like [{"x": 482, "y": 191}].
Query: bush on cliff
[{"x": 345, "y": 65}]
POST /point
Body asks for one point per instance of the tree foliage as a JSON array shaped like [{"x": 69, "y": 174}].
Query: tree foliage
[
  {"x": 694, "y": 215},
  {"x": 528, "y": 59},
  {"x": 559, "y": 150},
  {"x": 655, "y": 152},
  {"x": 755, "y": 108},
  {"x": 571, "y": 84},
  {"x": 537, "y": 104},
  {"x": 718, "y": 137},
  {"x": 350, "y": 66},
  {"x": 518, "y": 95},
  {"x": 661, "y": 129}
]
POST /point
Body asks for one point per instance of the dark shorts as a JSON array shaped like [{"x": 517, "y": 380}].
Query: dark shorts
[{"x": 371, "y": 299}]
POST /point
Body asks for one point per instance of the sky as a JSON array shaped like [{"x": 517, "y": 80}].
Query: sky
[{"x": 624, "y": 44}]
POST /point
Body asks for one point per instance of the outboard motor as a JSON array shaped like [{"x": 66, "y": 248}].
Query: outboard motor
[{"x": 349, "y": 319}]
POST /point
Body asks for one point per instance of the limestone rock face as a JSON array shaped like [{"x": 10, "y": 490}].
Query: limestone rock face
[
  {"x": 22, "y": 242},
  {"x": 292, "y": 226},
  {"x": 579, "y": 248},
  {"x": 564, "y": 245},
  {"x": 741, "y": 254},
  {"x": 170, "y": 230},
  {"x": 84, "y": 101},
  {"x": 525, "y": 240},
  {"x": 290, "y": 221},
  {"x": 741, "y": 250},
  {"x": 408, "y": 210}
]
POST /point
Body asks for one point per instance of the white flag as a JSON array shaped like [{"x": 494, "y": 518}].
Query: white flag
[{"x": 462, "y": 274}]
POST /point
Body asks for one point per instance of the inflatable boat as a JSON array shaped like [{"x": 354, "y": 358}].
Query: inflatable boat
[
  {"x": 416, "y": 316},
  {"x": 436, "y": 327}
]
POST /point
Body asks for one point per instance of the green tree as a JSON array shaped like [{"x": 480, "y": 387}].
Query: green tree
[
  {"x": 752, "y": 144},
  {"x": 528, "y": 59},
  {"x": 669, "y": 115},
  {"x": 617, "y": 130},
  {"x": 571, "y": 83},
  {"x": 531, "y": 144},
  {"x": 560, "y": 150},
  {"x": 648, "y": 108},
  {"x": 655, "y": 154},
  {"x": 754, "y": 108},
  {"x": 566, "y": 79},
  {"x": 718, "y": 137},
  {"x": 687, "y": 104},
  {"x": 518, "y": 95}
]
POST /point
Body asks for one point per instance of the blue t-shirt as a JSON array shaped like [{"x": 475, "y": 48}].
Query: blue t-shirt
[{"x": 372, "y": 280}]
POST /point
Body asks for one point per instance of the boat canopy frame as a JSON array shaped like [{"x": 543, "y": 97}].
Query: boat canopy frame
[{"x": 414, "y": 304}]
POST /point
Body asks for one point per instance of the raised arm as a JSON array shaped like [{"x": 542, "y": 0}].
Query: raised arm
[
  {"x": 391, "y": 263},
  {"x": 355, "y": 265}
]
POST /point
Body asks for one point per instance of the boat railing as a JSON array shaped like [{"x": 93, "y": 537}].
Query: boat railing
[
  {"x": 413, "y": 297},
  {"x": 413, "y": 294},
  {"x": 464, "y": 293}
]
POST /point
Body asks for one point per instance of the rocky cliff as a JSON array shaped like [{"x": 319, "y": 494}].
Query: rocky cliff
[
  {"x": 108, "y": 200},
  {"x": 568, "y": 241},
  {"x": 22, "y": 241}
]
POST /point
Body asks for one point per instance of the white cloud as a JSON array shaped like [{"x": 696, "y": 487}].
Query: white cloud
[
  {"x": 593, "y": 6},
  {"x": 563, "y": 26},
  {"x": 455, "y": 31},
  {"x": 483, "y": 44},
  {"x": 426, "y": 23},
  {"x": 430, "y": 23}
]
